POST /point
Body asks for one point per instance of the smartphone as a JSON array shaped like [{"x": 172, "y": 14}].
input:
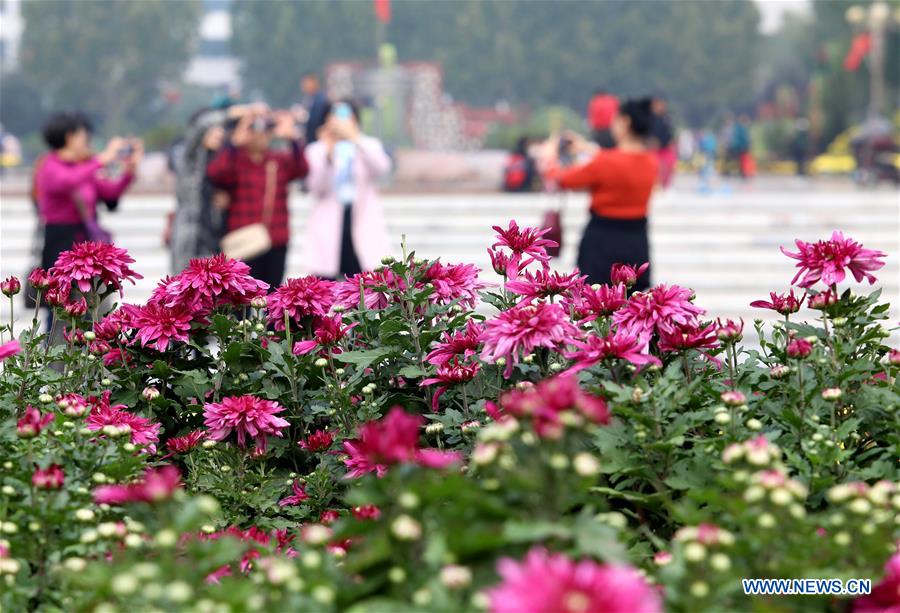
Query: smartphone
[
  {"x": 126, "y": 151},
  {"x": 342, "y": 110}
]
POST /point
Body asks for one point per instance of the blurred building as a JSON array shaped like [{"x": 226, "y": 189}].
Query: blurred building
[
  {"x": 214, "y": 65},
  {"x": 407, "y": 105},
  {"x": 11, "y": 26}
]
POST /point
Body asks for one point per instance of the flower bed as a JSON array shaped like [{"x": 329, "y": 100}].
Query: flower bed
[{"x": 378, "y": 444}]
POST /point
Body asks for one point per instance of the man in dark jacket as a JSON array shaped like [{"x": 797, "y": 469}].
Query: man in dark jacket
[{"x": 316, "y": 104}]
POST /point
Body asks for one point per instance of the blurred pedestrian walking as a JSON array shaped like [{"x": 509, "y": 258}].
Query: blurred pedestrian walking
[
  {"x": 601, "y": 111},
  {"x": 520, "y": 171},
  {"x": 316, "y": 104},
  {"x": 620, "y": 181},
  {"x": 662, "y": 140},
  {"x": 346, "y": 232},
  {"x": 738, "y": 147},
  {"x": 256, "y": 178}
]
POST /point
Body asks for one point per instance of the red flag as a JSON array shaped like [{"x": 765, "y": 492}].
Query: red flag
[
  {"x": 383, "y": 10},
  {"x": 859, "y": 47}
]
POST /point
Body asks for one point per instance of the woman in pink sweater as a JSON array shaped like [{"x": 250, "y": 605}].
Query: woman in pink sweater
[
  {"x": 69, "y": 183},
  {"x": 346, "y": 231}
]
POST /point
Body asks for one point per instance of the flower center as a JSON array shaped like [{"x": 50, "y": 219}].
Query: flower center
[{"x": 576, "y": 602}]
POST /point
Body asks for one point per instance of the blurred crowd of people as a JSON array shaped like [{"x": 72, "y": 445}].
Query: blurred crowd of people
[{"x": 233, "y": 165}]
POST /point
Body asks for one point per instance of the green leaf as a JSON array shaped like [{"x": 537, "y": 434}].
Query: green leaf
[
  {"x": 528, "y": 532},
  {"x": 365, "y": 358}
]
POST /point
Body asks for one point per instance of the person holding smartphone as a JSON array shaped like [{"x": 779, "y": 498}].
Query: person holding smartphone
[
  {"x": 346, "y": 233},
  {"x": 620, "y": 181}
]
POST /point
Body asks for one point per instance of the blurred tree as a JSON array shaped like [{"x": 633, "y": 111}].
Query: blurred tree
[
  {"x": 20, "y": 104},
  {"x": 106, "y": 57},
  {"x": 702, "y": 55}
]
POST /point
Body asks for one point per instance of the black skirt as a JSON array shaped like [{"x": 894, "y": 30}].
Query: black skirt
[
  {"x": 609, "y": 241},
  {"x": 58, "y": 237}
]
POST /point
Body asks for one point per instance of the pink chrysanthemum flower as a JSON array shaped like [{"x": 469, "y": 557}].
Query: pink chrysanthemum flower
[
  {"x": 454, "y": 282},
  {"x": 627, "y": 274},
  {"x": 9, "y": 349},
  {"x": 39, "y": 279},
  {"x": 618, "y": 345},
  {"x": 376, "y": 287},
  {"x": 247, "y": 416},
  {"x": 545, "y": 403},
  {"x": 522, "y": 329},
  {"x": 296, "y": 498},
  {"x": 211, "y": 282},
  {"x": 300, "y": 297},
  {"x": 552, "y": 583},
  {"x": 688, "y": 336},
  {"x": 524, "y": 241},
  {"x": 393, "y": 439},
  {"x": 366, "y": 511},
  {"x": 589, "y": 302},
  {"x": 507, "y": 264},
  {"x": 142, "y": 430},
  {"x": 184, "y": 444},
  {"x": 156, "y": 485},
  {"x": 661, "y": 308},
  {"x": 885, "y": 596},
  {"x": 87, "y": 262},
  {"x": 50, "y": 478},
  {"x": 328, "y": 332},
  {"x": 32, "y": 422},
  {"x": 320, "y": 440},
  {"x": 545, "y": 284},
  {"x": 784, "y": 304},
  {"x": 109, "y": 328},
  {"x": 462, "y": 343},
  {"x": 157, "y": 325},
  {"x": 826, "y": 260},
  {"x": 799, "y": 348},
  {"x": 451, "y": 373}
]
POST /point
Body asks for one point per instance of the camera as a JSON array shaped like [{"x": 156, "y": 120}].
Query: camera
[
  {"x": 262, "y": 124},
  {"x": 126, "y": 151},
  {"x": 564, "y": 151}
]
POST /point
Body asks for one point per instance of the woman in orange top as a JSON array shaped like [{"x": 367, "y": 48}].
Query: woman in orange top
[{"x": 620, "y": 181}]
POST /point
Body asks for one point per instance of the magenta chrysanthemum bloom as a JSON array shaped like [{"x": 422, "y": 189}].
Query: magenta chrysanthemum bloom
[
  {"x": 296, "y": 498},
  {"x": 376, "y": 287},
  {"x": 211, "y": 282},
  {"x": 524, "y": 241},
  {"x": 451, "y": 373},
  {"x": 799, "y": 348},
  {"x": 9, "y": 349},
  {"x": 784, "y": 304},
  {"x": 546, "y": 283},
  {"x": 463, "y": 343},
  {"x": 454, "y": 282},
  {"x": 142, "y": 430},
  {"x": 394, "y": 439},
  {"x": 688, "y": 336},
  {"x": 247, "y": 416},
  {"x": 619, "y": 345},
  {"x": 552, "y": 583},
  {"x": 110, "y": 327},
  {"x": 39, "y": 279},
  {"x": 662, "y": 308},
  {"x": 507, "y": 264},
  {"x": 545, "y": 403},
  {"x": 885, "y": 596},
  {"x": 522, "y": 329},
  {"x": 320, "y": 440},
  {"x": 50, "y": 478},
  {"x": 328, "y": 332},
  {"x": 826, "y": 260},
  {"x": 156, "y": 485},
  {"x": 32, "y": 422},
  {"x": 626, "y": 274},
  {"x": 184, "y": 444},
  {"x": 10, "y": 286},
  {"x": 158, "y": 325},
  {"x": 299, "y": 298},
  {"x": 87, "y": 262}
]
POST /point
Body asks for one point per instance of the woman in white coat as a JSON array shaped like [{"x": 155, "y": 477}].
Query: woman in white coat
[{"x": 346, "y": 231}]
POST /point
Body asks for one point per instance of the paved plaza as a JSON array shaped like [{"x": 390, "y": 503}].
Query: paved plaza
[{"x": 722, "y": 244}]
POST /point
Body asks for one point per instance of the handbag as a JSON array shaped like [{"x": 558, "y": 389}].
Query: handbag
[
  {"x": 252, "y": 240},
  {"x": 93, "y": 230},
  {"x": 553, "y": 223}
]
